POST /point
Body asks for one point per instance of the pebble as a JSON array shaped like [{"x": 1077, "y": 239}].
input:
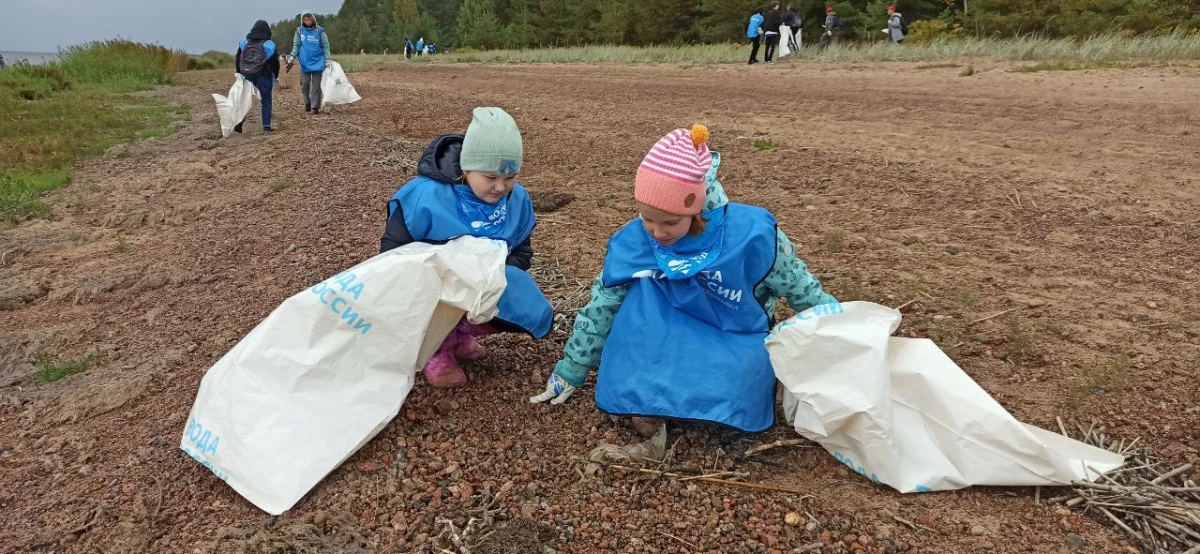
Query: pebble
[
  {"x": 953, "y": 250},
  {"x": 1035, "y": 302},
  {"x": 978, "y": 530},
  {"x": 987, "y": 546},
  {"x": 793, "y": 519},
  {"x": 910, "y": 240},
  {"x": 1152, "y": 305},
  {"x": 1076, "y": 542}
]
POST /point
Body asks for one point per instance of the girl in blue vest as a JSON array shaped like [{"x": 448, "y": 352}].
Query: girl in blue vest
[
  {"x": 466, "y": 185},
  {"x": 680, "y": 313}
]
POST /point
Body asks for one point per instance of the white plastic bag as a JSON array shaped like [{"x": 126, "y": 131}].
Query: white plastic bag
[
  {"x": 232, "y": 109},
  {"x": 901, "y": 413},
  {"x": 336, "y": 88},
  {"x": 785, "y": 39},
  {"x": 329, "y": 368}
]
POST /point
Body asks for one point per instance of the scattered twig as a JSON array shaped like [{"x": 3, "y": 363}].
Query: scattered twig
[
  {"x": 666, "y": 534},
  {"x": 713, "y": 480},
  {"x": 906, "y": 304},
  {"x": 717, "y": 474},
  {"x": 993, "y": 316},
  {"x": 777, "y": 444},
  {"x": 909, "y": 524},
  {"x": 1171, "y": 474},
  {"x": 1037, "y": 495},
  {"x": 808, "y": 547}
]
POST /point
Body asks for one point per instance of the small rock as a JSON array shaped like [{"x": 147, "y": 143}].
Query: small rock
[
  {"x": 812, "y": 526},
  {"x": 1152, "y": 305},
  {"x": 192, "y": 348},
  {"x": 987, "y": 546},
  {"x": 978, "y": 530},
  {"x": 849, "y": 538},
  {"x": 910, "y": 240},
  {"x": 792, "y": 518},
  {"x": 1094, "y": 214},
  {"x": 953, "y": 250},
  {"x": 369, "y": 467},
  {"x": 1076, "y": 542},
  {"x": 319, "y": 518},
  {"x": 1035, "y": 302}
]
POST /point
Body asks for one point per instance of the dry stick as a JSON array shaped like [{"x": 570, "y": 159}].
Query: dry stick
[
  {"x": 911, "y": 525},
  {"x": 1193, "y": 550},
  {"x": 1122, "y": 525},
  {"x": 711, "y": 480},
  {"x": 777, "y": 444},
  {"x": 666, "y": 534},
  {"x": 1061, "y": 428},
  {"x": 717, "y": 474},
  {"x": 1171, "y": 474},
  {"x": 993, "y": 316},
  {"x": 810, "y": 547},
  {"x": 1037, "y": 495},
  {"x": 906, "y": 304}
]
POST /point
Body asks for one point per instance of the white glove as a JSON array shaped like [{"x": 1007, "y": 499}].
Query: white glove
[
  {"x": 556, "y": 389},
  {"x": 328, "y": 63}
]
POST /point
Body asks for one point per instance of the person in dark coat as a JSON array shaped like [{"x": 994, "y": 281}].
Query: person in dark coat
[
  {"x": 772, "y": 21},
  {"x": 258, "y": 61},
  {"x": 792, "y": 20}
]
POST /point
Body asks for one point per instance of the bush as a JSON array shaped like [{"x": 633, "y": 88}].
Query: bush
[
  {"x": 122, "y": 63},
  {"x": 33, "y": 82},
  {"x": 932, "y": 30},
  {"x": 210, "y": 60}
]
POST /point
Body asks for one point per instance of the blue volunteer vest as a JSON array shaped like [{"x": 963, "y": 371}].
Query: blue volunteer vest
[
  {"x": 312, "y": 54},
  {"x": 692, "y": 348},
  {"x": 431, "y": 215}
]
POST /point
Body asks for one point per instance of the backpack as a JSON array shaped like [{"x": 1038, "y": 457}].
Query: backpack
[
  {"x": 254, "y": 59},
  {"x": 837, "y": 21},
  {"x": 903, "y": 26}
]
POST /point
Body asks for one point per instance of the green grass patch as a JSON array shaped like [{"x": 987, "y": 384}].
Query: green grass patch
[
  {"x": 969, "y": 71},
  {"x": 1110, "y": 378},
  {"x": 1020, "y": 344},
  {"x": 60, "y": 113},
  {"x": 20, "y": 193},
  {"x": 122, "y": 245},
  {"x": 51, "y": 371},
  {"x": 281, "y": 184},
  {"x": 938, "y": 66},
  {"x": 764, "y": 144},
  {"x": 210, "y": 60}
]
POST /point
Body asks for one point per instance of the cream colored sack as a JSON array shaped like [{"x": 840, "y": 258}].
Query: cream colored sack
[
  {"x": 232, "y": 109},
  {"x": 329, "y": 368},
  {"x": 901, "y": 413}
]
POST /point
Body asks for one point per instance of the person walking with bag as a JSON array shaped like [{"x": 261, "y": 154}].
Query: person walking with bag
[
  {"x": 897, "y": 27},
  {"x": 258, "y": 61},
  {"x": 311, "y": 46},
  {"x": 793, "y": 21}
]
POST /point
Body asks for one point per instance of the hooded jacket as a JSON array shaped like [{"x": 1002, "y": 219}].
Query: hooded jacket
[
  {"x": 311, "y": 45},
  {"x": 440, "y": 162},
  {"x": 772, "y": 20},
  {"x": 754, "y": 28},
  {"x": 260, "y": 32}
]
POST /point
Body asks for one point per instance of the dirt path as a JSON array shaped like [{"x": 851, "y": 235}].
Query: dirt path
[{"x": 1070, "y": 196}]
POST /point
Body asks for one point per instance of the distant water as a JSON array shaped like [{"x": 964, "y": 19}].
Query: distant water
[{"x": 11, "y": 58}]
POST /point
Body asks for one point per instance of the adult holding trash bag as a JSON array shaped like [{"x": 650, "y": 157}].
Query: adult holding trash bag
[
  {"x": 679, "y": 315},
  {"x": 311, "y": 46},
  {"x": 897, "y": 27},
  {"x": 258, "y": 61}
]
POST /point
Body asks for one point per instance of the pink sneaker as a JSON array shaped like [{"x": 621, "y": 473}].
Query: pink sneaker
[{"x": 442, "y": 371}]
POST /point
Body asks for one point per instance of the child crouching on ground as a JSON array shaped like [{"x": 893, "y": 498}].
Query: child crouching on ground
[
  {"x": 679, "y": 315},
  {"x": 466, "y": 185}
]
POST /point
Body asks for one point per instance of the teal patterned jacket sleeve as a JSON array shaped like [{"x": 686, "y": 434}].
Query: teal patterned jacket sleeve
[
  {"x": 790, "y": 279},
  {"x": 592, "y": 325}
]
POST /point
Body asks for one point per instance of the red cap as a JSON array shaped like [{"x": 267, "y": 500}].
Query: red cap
[
  {"x": 892, "y": 7},
  {"x": 829, "y": 9}
]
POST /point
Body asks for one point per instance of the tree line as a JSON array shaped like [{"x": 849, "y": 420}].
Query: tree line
[{"x": 384, "y": 25}]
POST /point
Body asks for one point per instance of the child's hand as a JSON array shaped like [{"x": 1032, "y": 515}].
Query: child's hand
[{"x": 557, "y": 391}]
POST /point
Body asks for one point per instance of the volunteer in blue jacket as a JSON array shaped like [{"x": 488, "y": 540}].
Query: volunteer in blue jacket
[
  {"x": 754, "y": 33},
  {"x": 311, "y": 46},
  {"x": 258, "y": 61},
  {"x": 679, "y": 315},
  {"x": 467, "y": 185}
]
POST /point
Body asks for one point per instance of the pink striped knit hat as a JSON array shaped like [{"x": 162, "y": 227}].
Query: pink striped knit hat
[{"x": 671, "y": 177}]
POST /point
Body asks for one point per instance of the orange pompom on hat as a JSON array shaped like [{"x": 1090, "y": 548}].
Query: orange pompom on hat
[{"x": 671, "y": 177}]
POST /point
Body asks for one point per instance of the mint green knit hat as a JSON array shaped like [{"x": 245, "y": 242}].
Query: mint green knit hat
[{"x": 493, "y": 143}]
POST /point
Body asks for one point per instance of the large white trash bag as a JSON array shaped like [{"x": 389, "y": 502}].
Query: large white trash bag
[
  {"x": 330, "y": 367},
  {"x": 232, "y": 109},
  {"x": 785, "y": 40},
  {"x": 901, "y": 413},
  {"x": 336, "y": 88}
]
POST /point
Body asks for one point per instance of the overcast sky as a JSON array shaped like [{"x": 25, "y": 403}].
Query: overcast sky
[{"x": 195, "y": 26}]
